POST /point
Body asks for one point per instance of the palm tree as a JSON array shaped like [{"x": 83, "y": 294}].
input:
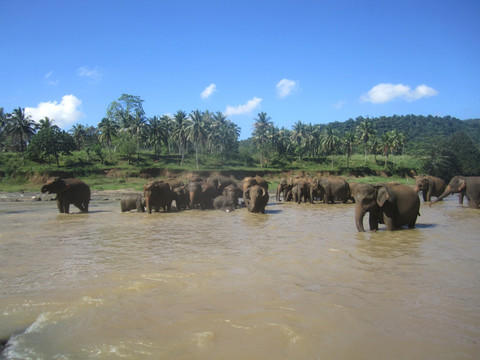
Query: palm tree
[
  {"x": 330, "y": 141},
  {"x": 196, "y": 131},
  {"x": 79, "y": 132},
  {"x": 136, "y": 127},
  {"x": 298, "y": 137},
  {"x": 47, "y": 123},
  {"x": 167, "y": 127},
  {"x": 365, "y": 130},
  {"x": 180, "y": 121},
  {"x": 3, "y": 122},
  {"x": 349, "y": 141},
  {"x": 108, "y": 131},
  {"x": 262, "y": 129},
  {"x": 21, "y": 126},
  {"x": 155, "y": 132},
  {"x": 386, "y": 143},
  {"x": 397, "y": 141}
]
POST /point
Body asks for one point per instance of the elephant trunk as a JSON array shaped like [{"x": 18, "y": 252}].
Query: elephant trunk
[
  {"x": 447, "y": 192},
  {"x": 359, "y": 214}
]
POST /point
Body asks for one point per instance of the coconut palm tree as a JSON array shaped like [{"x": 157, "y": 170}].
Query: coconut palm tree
[
  {"x": 196, "y": 130},
  {"x": 108, "y": 131},
  {"x": 181, "y": 121},
  {"x": 21, "y": 126},
  {"x": 155, "y": 132},
  {"x": 330, "y": 141},
  {"x": 261, "y": 133},
  {"x": 47, "y": 123},
  {"x": 167, "y": 128},
  {"x": 349, "y": 141},
  {"x": 298, "y": 137},
  {"x": 365, "y": 130},
  {"x": 79, "y": 133}
]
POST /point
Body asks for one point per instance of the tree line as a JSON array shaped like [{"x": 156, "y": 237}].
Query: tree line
[{"x": 126, "y": 130}]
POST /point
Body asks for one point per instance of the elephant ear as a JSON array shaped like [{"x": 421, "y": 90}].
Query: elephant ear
[
  {"x": 247, "y": 194},
  {"x": 461, "y": 184},
  {"x": 382, "y": 195}
]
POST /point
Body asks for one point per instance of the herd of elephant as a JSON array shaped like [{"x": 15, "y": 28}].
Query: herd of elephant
[{"x": 392, "y": 204}]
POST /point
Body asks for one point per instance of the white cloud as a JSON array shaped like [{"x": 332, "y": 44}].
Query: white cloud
[
  {"x": 209, "y": 90},
  {"x": 382, "y": 93},
  {"x": 285, "y": 87},
  {"x": 64, "y": 113},
  {"x": 92, "y": 74},
  {"x": 243, "y": 109}
]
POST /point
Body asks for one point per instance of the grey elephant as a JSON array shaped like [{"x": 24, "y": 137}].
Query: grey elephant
[
  {"x": 256, "y": 199},
  {"x": 157, "y": 195},
  {"x": 234, "y": 192},
  {"x": 132, "y": 202},
  {"x": 394, "y": 205},
  {"x": 69, "y": 191},
  {"x": 332, "y": 189},
  {"x": 468, "y": 185},
  {"x": 224, "y": 202},
  {"x": 284, "y": 188},
  {"x": 251, "y": 181},
  {"x": 430, "y": 186}
]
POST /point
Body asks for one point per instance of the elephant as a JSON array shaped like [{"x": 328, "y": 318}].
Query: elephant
[
  {"x": 394, "y": 205},
  {"x": 284, "y": 187},
  {"x": 251, "y": 181},
  {"x": 468, "y": 185},
  {"x": 234, "y": 192},
  {"x": 158, "y": 195},
  {"x": 430, "y": 186},
  {"x": 132, "y": 202},
  {"x": 194, "y": 192},
  {"x": 180, "y": 195},
  {"x": 224, "y": 202},
  {"x": 302, "y": 191},
  {"x": 256, "y": 199},
  {"x": 332, "y": 189},
  {"x": 353, "y": 190},
  {"x": 209, "y": 192},
  {"x": 69, "y": 191},
  {"x": 224, "y": 181}
]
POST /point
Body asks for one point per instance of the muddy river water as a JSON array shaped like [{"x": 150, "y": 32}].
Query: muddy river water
[{"x": 298, "y": 282}]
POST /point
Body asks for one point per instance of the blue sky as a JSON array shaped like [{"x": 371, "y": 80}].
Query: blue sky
[{"x": 313, "y": 61}]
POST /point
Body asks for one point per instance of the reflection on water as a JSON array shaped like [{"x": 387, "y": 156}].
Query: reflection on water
[{"x": 296, "y": 282}]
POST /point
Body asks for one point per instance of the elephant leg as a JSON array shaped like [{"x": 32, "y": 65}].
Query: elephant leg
[
  {"x": 60, "y": 206},
  {"x": 373, "y": 222},
  {"x": 66, "y": 207},
  {"x": 80, "y": 206},
  {"x": 389, "y": 223}
]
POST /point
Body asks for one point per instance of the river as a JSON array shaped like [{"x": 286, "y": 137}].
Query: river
[{"x": 298, "y": 282}]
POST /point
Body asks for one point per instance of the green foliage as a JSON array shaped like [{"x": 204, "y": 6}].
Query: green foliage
[{"x": 48, "y": 143}]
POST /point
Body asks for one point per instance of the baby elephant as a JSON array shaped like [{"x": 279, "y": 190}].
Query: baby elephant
[
  {"x": 132, "y": 202},
  {"x": 224, "y": 202}
]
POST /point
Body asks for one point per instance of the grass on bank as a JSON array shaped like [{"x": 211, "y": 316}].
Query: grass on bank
[{"x": 15, "y": 175}]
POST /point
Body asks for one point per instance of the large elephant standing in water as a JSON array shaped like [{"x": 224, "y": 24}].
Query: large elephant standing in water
[
  {"x": 394, "y": 205},
  {"x": 158, "y": 195},
  {"x": 468, "y": 185},
  {"x": 69, "y": 191},
  {"x": 256, "y": 199},
  {"x": 430, "y": 186}
]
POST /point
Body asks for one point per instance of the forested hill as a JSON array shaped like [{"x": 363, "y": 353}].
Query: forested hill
[{"x": 417, "y": 128}]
